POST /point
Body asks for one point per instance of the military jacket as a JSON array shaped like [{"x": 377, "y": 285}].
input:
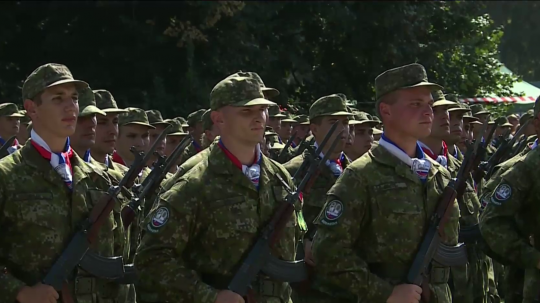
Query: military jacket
[
  {"x": 199, "y": 231},
  {"x": 189, "y": 152},
  {"x": 187, "y": 166},
  {"x": 38, "y": 217},
  {"x": 373, "y": 222}
]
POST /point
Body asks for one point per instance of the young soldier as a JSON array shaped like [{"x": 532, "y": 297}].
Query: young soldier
[
  {"x": 85, "y": 133},
  {"x": 287, "y": 125},
  {"x": 195, "y": 131},
  {"x": 210, "y": 130},
  {"x": 383, "y": 202},
  {"x": 156, "y": 120},
  {"x": 9, "y": 125},
  {"x": 363, "y": 135},
  {"x": 134, "y": 130},
  {"x": 301, "y": 129},
  {"x": 23, "y": 134},
  {"x": 203, "y": 226},
  {"x": 47, "y": 191}
]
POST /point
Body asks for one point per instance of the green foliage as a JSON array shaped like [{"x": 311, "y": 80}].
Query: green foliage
[{"x": 169, "y": 55}]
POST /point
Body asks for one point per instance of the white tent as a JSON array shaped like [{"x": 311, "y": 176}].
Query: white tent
[{"x": 530, "y": 91}]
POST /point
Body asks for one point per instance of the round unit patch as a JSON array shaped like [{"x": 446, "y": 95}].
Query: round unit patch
[
  {"x": 160, "y": 217},
  {"x": 332, "y": 212},
  {"x": 502, "y": 193}
]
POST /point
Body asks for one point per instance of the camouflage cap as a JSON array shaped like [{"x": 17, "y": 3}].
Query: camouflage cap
[
  {"x": 503, "y": 122},
  {"x": 9, "y": 110},
  {"x": 183, "y": 121},
  {"x": 526, "y": 116},
  {"x": 302, "y": 119},
  {"x": 332, "y": 105},
  {"x": 377, "y": 131},
  {"x": 105, "y": 101},
  {"x": 458, "y": 106},
  {"x": 289, "y": 119},
  {"x": 467, "y": 117},
  {"x": 478, "y": 109},
  {"x": 87, "y": 103},
  {"x": 376, "y": 119},
  {"x": 25, "y": 119},
  {"x": 237, "y": 91},
  {"x": 195, "y": 117},
  {"x": 207, "y": 120},
  {"x": 440, "y": 100},
  {"x": 155, "y": 118},
  {"x": 275, "y": 112},
  {"x": 134, "y": 116},
  {"x": 267, "y": 91},
  {"x": 176, "y": 128},
  {"x": 362, "y": 118},
  {"x": 48, "y": 75},
  {"x": 408, "y": 76}
]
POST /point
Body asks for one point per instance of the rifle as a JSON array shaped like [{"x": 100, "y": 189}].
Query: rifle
[
  {"x": 283, "y": 151},
  {"x": 259, "y": 258},
  {"x": 431, "y": 247},
  {"x": 302, "y": 146},
  {"x": 519, "y": 147},
  {"x": 4, "y": 150},
  {"x": 78, "y": 249},
  {"x": 478, "y": 173}
]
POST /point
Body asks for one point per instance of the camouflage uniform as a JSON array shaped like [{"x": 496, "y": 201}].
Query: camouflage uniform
[
  {"x": 39, "y": 214},
  {"x": 198, "y": 233},
  {"x": 194, "y": 148},
  {"x": 10, "y": 110},
  {"x": 376, "y": 215}
]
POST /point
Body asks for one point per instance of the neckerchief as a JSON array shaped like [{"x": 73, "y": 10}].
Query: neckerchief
[
  {"x": 441, "y": 159},
  {"x": 198, "y": 148},
  {"x": 335, "y": 165},
  {"x": 419, "y": 165},
  {"x": 61, "y": 162},
  {"x": 253, "y": 172},
  {"x": 116, "y": 158},
  {"x": 13, "y": 147},
  {"x": 535, "y": 144},
  {"x": 87, "y": 156}
]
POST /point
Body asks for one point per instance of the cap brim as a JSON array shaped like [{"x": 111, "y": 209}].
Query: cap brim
[
  {"x": 178, "y": 134},
  {"x": 371, "y": 123},
  {"x": 15, "y": 115},
  {"x": 482, "y": 112},
  {"x": 506, "y": 125},
  {"x": 140, "y": 123},
  {"x": 304, "y": 123},
  {"x": 270, "y": 92},
  {"x": 377, "y": 131},
  {"x": 185, "y": 125},
  {"x": 277, "y": 146},
  {"x": 289, "y": 120},
  {"x": 91, "y": 110},
  {"x": 114, "y": 111},
  {"x": 254, "y": 102},
  {"x": 476, "y": 122},
  {"x": 433, "y": 86},
  {"x": 458, "y": 109},
  {"x": 471, "y": 118},
  {"x": 338, "y": 114},
  {"x": 160, "y": 123},
  {"x": 443, "y": 103},
  {"x": 76, "y": 82}
]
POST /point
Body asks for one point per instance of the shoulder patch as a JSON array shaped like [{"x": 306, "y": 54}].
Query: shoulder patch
[
  {"x": 332, "y": 212},
  {"x": 159, "y": 219},
  {"x": 502, "y": 193}
]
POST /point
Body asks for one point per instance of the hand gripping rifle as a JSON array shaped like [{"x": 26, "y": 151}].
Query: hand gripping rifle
[
  {"x": 259, "y": 258},
  {"x": 78, "y": 250},
  {"x": 4, "y": 150},
  {"x": 431, "y": 247},
  {"x": 281, "y": 156}
]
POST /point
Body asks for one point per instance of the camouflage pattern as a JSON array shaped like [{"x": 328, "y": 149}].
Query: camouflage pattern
[
  {"x": 237, "y": 91},
  {"x": 275, "y": 112},
  {"x": 155, "y": 118},
  {"x": 105, "y": 101},
  {"x": 38, "y": 207},
  {"x": 201, "y": 228},
  {"x": 182, "y": 121},
  {"x": 408, "y": 76},
  {"x": 478, "y": 109},
  {"x": 134, "y": 116},
  {"x": 10, "y": 110},
  {"x": 207, "y": 120},
  {"x": 531, "y": 280},
  {"x": 526, "y": 116},
  {"x": 528, "y": 143},
  {"x": 302, "y": 119},
  {"x": 362, "y": 118},
  {"x": 195, "y": 117},
  {"x": 87, "y": 103},
  {"x": 268, "y": 91},
  {"x": 385, "y": 208},
  {"x": 439, "y": 99},
  {"x": 503, "y": 122},
  {"x": 289, "y": 118},
  {"x": 48, "y": 75},
  {"x": 25, "y": 119},
  {"x": 332, "y": 105},
  {"x": 176, "y": 128}
]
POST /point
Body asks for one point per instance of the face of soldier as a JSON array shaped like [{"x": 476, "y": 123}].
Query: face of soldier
[
  {"x": 275, "y": 123},
  {"x": 440, "y": 128},
  {"x": 285, "y": 131},
  {"x": 342, "y": 130},
  {"x": 85, "y": 133},
  {"x": 106, "y": 134},
  {"x": 302, "y": 131},
  {"x": 244, "y": 125},
  {"x": 134, "y": 135},
  {"x": 58, "y": 111},
  {"x": 465, "y": 136},
  {"x": 515, "y": 123},
  {"x": 411, "y": 114},
  {"x": 154, "y": 134},
  {"x": 9, "y": 126},
  {"x": 363, "y": 139},
  {"x": 171, "y": 143},
  {"x": 196, "y": 131},
  {"x": 501, "y": 131},
  {"x": 456, "y": 127},
  {"x": 478, "y": 128}
]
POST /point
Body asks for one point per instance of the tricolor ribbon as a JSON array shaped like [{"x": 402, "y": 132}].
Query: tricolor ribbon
[
  {"x": 61, "y": 162},
  {"x": 253, "y": 172}
]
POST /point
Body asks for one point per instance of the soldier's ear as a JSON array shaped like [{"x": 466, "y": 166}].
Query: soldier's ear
[
  {"x": 30, "y": 107},
  {"x": 217, "y": 117}
]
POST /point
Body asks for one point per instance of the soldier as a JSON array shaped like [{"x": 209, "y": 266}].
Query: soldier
[
  {"x": 23, "y": 134},
  {"x": 383, "y": 202},
  {"x": 195, "y": 131},
  {"x": 301, "y": 129},
  {"x": 457, "y": 125},
  {"x": 47, "y": 191},
  {"x": 469, "y": 123},
  {"x": 479, "y": 112},
  {"x": 529, "y": 134},
  {"x": 186, "y": 257},
  {"x": 183, "y": 123},
  {"x": 156, "y": 120},
  {"x": 363, "y": 135},
  {"x": 174, "y": 137},
  {"x": 287, "y": 125},
  {"x": 85, "y": 133},
  {"x": 134, "y": 130},
  {"x": 9, "y": 124},
  {"x": 210, "y": 130},
  {"x": 502, "y": 131},
  {"x": 513, "y": 119},
  {"x": 274, "y": 119}
]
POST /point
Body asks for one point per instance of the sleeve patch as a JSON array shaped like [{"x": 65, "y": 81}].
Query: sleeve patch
[
  {"x": 502, "y": 193},
  {"x": 332, "y": 212},
  {"x": 159, "y": 219}
]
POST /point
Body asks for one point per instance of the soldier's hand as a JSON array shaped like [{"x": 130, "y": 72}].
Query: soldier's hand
[
  {"x": 308, "y": 256},
  {"x": 405, "y": 293},
  {"x": 227, "y": 296},
  {"x": 39, "y": 293}
]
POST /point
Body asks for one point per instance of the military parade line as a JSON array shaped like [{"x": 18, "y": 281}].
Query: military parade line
[{"x": 429, "y": 200}]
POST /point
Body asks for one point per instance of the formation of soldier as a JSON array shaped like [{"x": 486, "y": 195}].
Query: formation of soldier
[{"x": 246, "y": 202}]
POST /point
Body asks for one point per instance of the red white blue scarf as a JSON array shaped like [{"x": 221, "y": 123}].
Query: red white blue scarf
[
  {"x": 419, "y": 165},
  {"x": 335, "y": 165},
  {"x": 13, "y": 147},
  {"x": 61, "y": 162},
  {"x": 441, "y": 159},
  {"x": 253, "y": 172}
]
